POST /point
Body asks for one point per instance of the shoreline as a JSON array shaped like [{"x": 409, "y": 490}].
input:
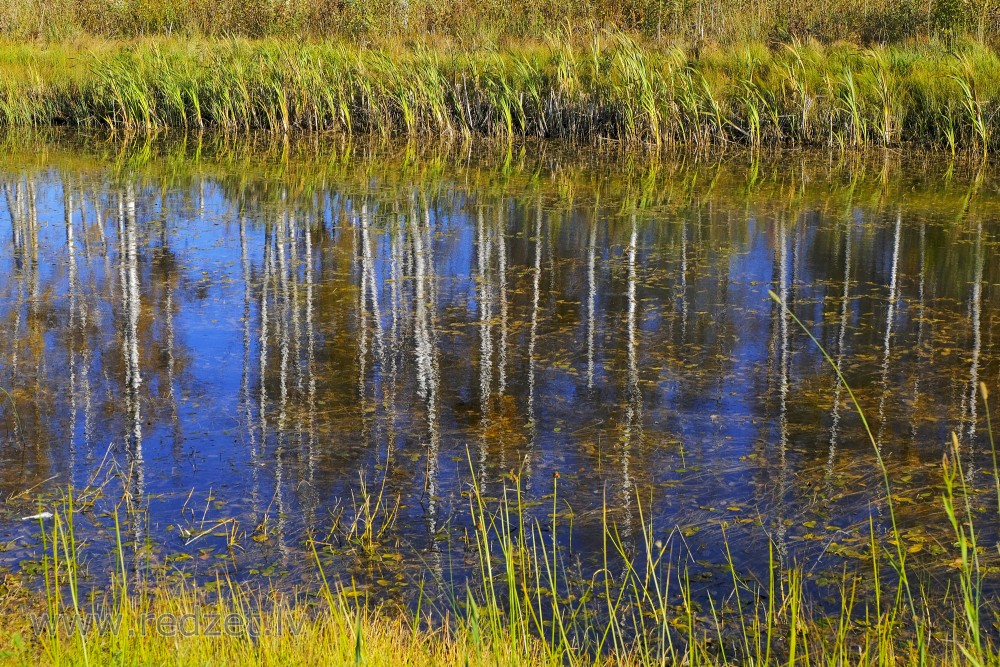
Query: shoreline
[{"x": 613, "y": 88}]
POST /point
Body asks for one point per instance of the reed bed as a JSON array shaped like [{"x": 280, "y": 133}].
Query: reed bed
[{"x": 611, "y": 88}]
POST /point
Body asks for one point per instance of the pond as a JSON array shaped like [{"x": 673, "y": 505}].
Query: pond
[{"x": 241, "y": 344}]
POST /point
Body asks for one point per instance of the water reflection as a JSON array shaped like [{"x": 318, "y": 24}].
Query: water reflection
[{"x": 260, "y": 342}]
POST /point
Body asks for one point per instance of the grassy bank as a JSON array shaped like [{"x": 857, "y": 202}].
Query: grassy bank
[{"x": 609, "y": 88}]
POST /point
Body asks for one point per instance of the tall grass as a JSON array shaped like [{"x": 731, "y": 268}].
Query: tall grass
[
  {"x": 729, "y": 21},
  {"x": 610, "y": 88}
]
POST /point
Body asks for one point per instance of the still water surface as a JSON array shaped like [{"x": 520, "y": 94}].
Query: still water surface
[{"x": 243, "y": 339}]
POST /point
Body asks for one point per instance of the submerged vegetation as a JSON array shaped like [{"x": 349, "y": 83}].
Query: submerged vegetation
[
  {"x": 527, "y": 603},
  {"x": 605, "y": 87}
]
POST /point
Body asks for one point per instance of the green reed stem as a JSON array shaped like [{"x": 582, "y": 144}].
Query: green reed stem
[{"x": 900, "y": 551}]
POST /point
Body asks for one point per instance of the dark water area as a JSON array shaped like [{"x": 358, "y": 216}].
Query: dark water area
[{"x": 243, "y": 339}]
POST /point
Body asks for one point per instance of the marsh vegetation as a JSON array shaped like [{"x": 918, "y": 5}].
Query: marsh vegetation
[{"x": 603, "y": 87}]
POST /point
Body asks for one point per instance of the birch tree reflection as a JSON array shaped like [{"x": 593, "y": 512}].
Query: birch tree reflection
[{"x": 270, "y": 342}]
